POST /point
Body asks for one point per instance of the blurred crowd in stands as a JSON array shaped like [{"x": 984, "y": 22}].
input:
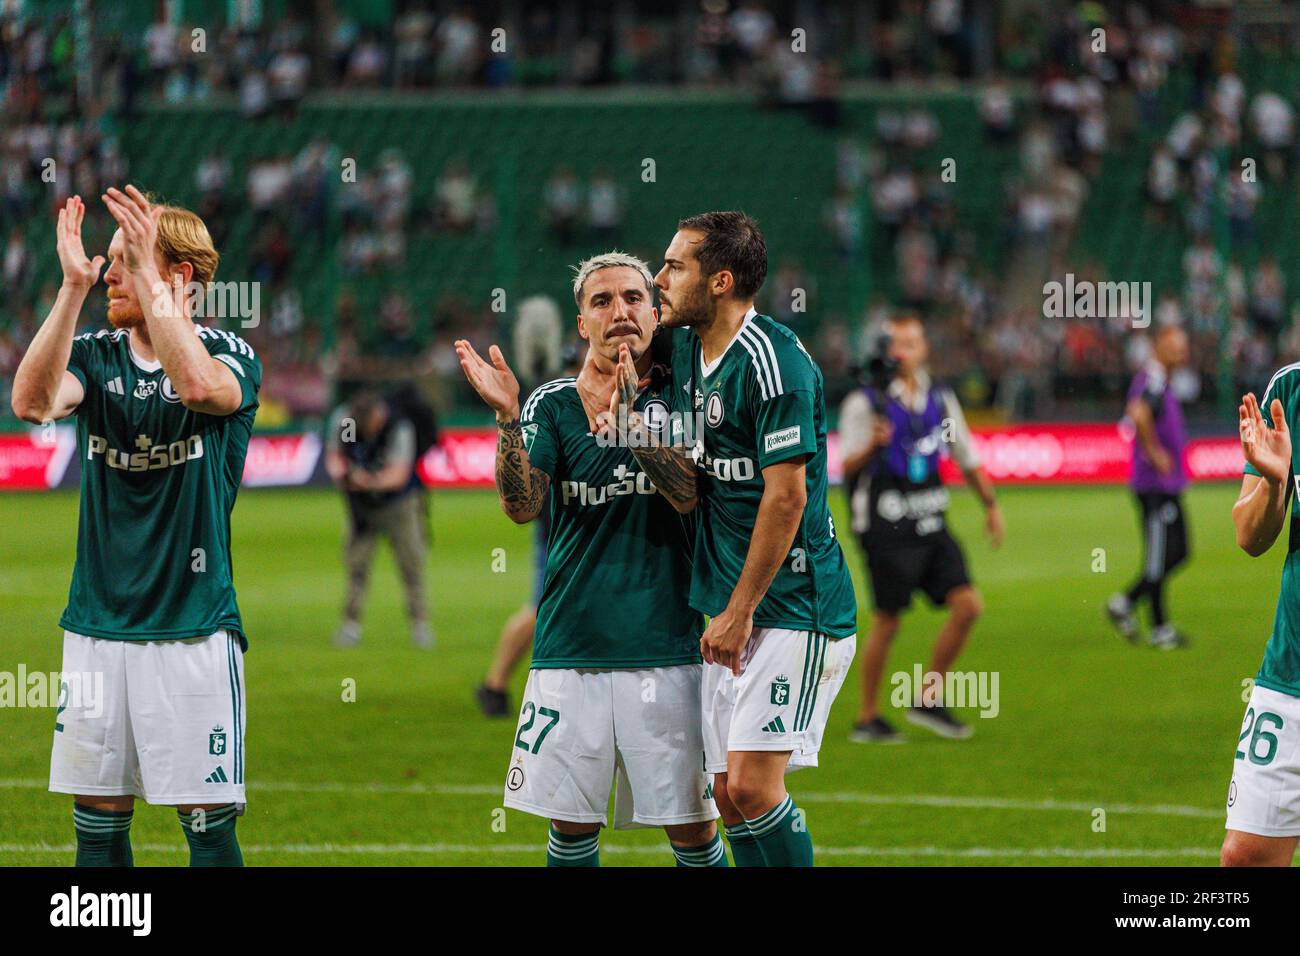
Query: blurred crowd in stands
[{"x": 1048, "y": 99}]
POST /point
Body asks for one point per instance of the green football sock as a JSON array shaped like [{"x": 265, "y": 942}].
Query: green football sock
[
  {"x": 580, "y": 850},
  {"x": 103, "y": 836},
  {"x": 706, "y": 855},
  {"x": 744, "y": 848},
  {"x": 211, "y": 836},
  {"x": 782, "y": 835}
]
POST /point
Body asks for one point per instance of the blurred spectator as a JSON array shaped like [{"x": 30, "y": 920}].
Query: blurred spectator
[
  {"x": 604, "y": 209},
  {"x": 563, "y": 202},
  {"x": 457, "y": 203}
]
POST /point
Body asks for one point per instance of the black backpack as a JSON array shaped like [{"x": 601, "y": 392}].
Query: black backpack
[{"x": 407, "y": 402}]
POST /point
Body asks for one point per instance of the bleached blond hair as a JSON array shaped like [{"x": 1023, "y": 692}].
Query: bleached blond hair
[{"x": 609, "y": 260}]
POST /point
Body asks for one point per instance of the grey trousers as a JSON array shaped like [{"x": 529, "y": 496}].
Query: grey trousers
[{"x": 402, "y": 522}]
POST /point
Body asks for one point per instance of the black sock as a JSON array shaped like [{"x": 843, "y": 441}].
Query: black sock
[{"x": 1136, "y": 592}]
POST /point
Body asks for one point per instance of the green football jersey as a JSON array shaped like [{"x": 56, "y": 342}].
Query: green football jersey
[
  {"x": 1281, "y": 668},
  {"x": 761, "y": 402},
  {"x": 618, "y": 555},
  {"x": 158, "y": 482}
]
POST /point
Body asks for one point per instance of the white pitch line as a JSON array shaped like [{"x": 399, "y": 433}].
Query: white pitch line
[
  {"x": 810, "y": 796},
  {"x": 443, "y": 849}
]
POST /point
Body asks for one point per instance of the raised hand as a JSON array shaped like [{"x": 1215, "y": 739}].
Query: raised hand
[
  {"x": 138, "y": 221},
  {"x": 495, "y": 383},
  {"x": 78, "y": 271},
  {"x": 1267, "y": 449}
]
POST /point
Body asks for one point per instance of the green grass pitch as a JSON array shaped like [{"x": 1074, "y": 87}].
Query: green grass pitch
[{"x": 410, "y": 773}]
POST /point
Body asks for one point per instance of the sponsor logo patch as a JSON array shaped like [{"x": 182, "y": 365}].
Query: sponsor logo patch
[{"x": 786, "y": 436}]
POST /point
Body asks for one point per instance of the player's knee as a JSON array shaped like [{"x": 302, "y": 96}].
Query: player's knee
[
  {"x": 749, "y": 793},
  {"x": 1238, "y": 851},
  {"x": 574, "y": 829},
  {"x": 729, "y": 812},
  {"x": 1234, "y": 854},
  {"x": 115, "y": 804},
  {"x": 886, "y": 625},
  {"x": 967, "y": 605},
  {"x": 692, "y": 834}
]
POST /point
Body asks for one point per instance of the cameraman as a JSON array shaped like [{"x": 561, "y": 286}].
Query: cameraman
[
  {"x": 891, "y": 432},
  {"x": 371, "y": 456}
]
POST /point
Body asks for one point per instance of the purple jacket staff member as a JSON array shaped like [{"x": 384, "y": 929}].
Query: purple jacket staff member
[
  {"x": 891, "y": 444},
  {"x": 1157, "y": 478}
]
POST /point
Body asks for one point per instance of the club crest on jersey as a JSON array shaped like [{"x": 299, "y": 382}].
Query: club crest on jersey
[
  {"x": 169, "y": 393},
  {"x": 781, "y": 690},
  {"x": 217, "y": 741},
  {"x": 713, "y": 410},
  {"x": 655, "y": 415},
  {"x": 145, "y": 388}
]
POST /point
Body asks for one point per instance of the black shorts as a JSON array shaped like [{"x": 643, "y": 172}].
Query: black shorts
[
  {"x": 934, "y": 565},
  {"x": 1164, "y": 534}
]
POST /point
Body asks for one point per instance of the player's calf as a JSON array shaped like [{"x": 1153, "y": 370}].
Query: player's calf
[
  {"x": 210, "y": 832},
  {"x": 744, "y": 848},
  {"x": 756, "y": 785}
]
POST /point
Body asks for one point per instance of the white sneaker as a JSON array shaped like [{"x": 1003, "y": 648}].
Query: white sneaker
[
  {"x": 348, "y": 634},
  {"x": 1166, "y": 638},
  {"x": 422, "y": 635},
  {"x": 1120, "y": 611}
]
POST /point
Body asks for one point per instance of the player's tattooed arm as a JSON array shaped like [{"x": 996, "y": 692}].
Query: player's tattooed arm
[
  {"x": 521, "y": 487},
  {"x": 670, "y": 467}
]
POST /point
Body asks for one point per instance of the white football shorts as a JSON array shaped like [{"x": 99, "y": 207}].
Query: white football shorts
[
  {"x": 582, "y": 731},
  {"x": 168, "y": 726},
  {"x": 1264, "y": 795},
  {"x": 781, "y": 700}
]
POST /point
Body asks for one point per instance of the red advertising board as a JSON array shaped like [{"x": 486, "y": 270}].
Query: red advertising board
[
  {"x": 1016, "y": 454},
  {"x": 281, "y": 459},
  {"x": 35, "y": 459},
  {"x": 466, "y": 457}
]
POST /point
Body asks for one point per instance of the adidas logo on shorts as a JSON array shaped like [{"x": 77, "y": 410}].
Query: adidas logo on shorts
[
  {"x": 217, "y": 776},
  {"x": 775, "y": 726}
]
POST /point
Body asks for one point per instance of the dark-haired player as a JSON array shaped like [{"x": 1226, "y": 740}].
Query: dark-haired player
[{"x": 768, "y": 569}]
